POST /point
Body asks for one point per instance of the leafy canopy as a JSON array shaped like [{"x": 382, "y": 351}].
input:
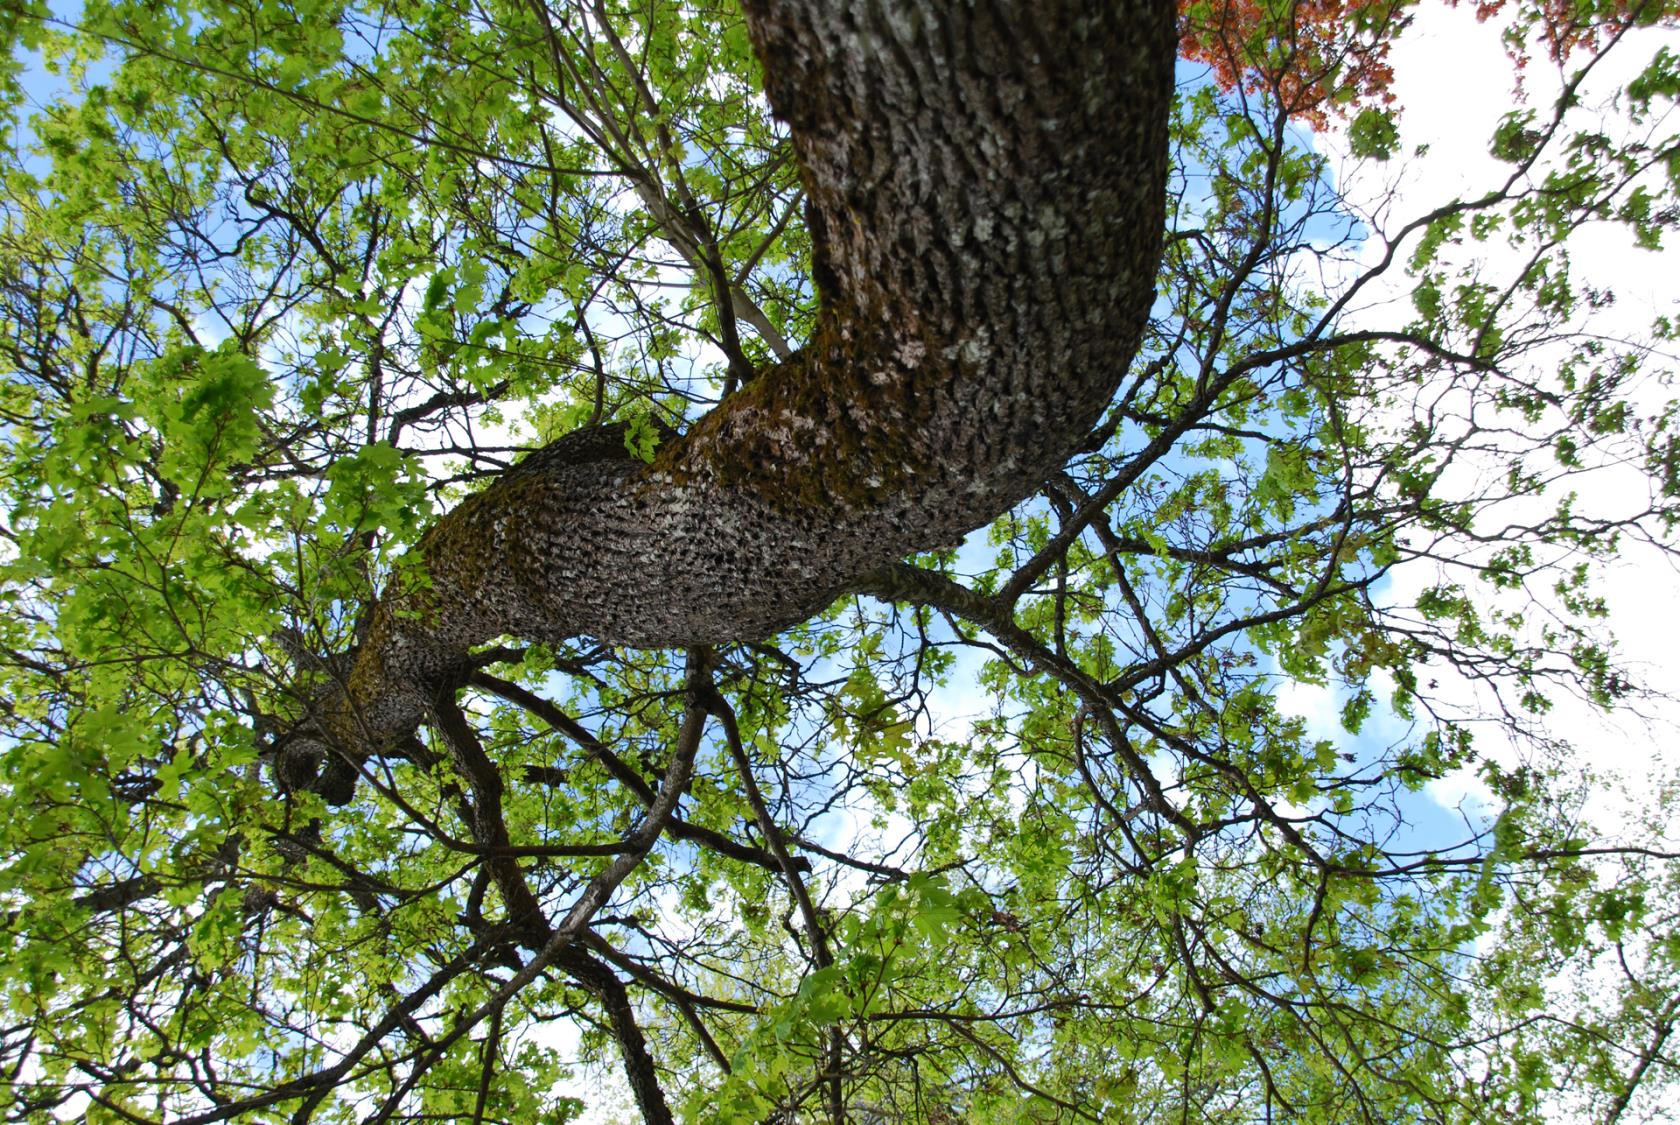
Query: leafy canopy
[{"x": 1029, "y": 832}]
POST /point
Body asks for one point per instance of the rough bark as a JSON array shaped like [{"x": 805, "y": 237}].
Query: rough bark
[{"x": 985, "y": 185}]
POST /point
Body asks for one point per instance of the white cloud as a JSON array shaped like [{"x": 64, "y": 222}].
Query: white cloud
[{"x": 1454, "y": 82}]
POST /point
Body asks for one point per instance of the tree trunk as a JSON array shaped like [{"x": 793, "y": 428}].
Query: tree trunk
[{"x": 985, "y": 186}]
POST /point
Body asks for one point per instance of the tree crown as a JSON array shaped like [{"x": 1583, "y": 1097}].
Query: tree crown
[{"x": 380, "y": 377}]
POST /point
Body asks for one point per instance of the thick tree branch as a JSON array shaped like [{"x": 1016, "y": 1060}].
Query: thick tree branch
[
  {"x": 984, "y": 189},
  {"x": 489, "y": 827}
]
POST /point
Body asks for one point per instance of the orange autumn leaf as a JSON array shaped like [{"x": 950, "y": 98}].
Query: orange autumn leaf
[
  {"x": 1323, "y": 57},
  {"x": 1315, "y": 56}
]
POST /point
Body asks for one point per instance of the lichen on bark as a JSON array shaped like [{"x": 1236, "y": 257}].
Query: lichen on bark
[{"x": 985, "y": 185}]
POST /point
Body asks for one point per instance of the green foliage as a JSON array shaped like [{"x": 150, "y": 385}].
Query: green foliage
[
  {"x": 1372, "y": 134},
  {"x": 280, "y": 281}
]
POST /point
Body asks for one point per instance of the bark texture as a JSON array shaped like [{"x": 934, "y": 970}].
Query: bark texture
[{"x": 985, "y": 185}]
